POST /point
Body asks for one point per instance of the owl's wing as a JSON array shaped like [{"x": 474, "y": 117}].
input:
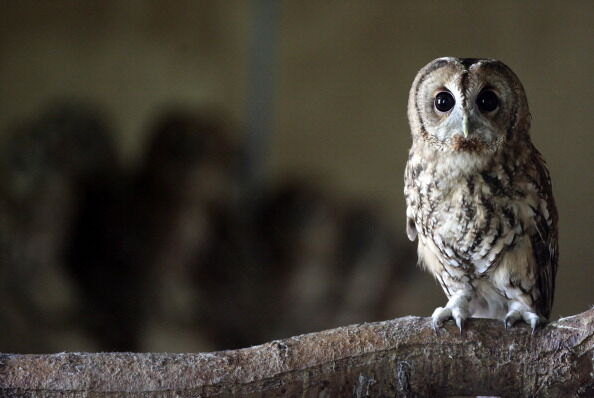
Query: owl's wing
[
  {"x": 410, "y": 175},
  {"x": 411, "y": 229},
  {"x": 544, "y": 239}
]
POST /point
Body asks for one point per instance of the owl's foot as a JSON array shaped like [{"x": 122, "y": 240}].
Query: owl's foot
[
  {"x": 443, "y": 314},
  {"x": 456, "y": 309},
  {"x": 518, "y": 311}
]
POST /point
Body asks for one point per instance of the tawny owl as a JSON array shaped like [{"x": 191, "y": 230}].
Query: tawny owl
[{"x": 478, "y": 194}]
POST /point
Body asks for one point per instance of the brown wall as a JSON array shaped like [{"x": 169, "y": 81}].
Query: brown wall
[{"x": 342, "y": 79}]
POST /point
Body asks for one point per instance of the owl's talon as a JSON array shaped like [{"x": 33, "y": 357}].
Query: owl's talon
[
  {"x": 440, "y": 315},
  {"x": 511, "y": 318},
  {"x": 433, "y": 326},
  {"x": 460, "y": 315},
  {"x": 532, "y": 319},
  {"x": 459, "y": 324},
  {"x": 514, "y": 315}
]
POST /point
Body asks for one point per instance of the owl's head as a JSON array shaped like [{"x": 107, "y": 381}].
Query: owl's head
[{"x": 467, "y": 105}]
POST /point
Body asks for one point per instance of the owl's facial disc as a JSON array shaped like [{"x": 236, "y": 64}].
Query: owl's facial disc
[
  {"x": 464, "y": 114},
  {"x": 462, "y": 107}
]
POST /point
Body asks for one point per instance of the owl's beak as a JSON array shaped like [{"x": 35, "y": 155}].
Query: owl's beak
[{"x": 465, "y": 125}]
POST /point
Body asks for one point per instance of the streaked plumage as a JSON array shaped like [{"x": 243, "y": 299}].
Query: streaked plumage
[{"x": 478, "y": 193}]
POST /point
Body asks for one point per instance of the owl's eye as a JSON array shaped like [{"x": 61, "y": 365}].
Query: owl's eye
[
  {"x": 444, "y": 101},
  {"x": 487, "y": 101}
]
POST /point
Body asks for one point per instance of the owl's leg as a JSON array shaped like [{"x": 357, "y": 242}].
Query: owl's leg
[
  {"x": 456, "y": 309},
  {"x": 517, "y": 311}
]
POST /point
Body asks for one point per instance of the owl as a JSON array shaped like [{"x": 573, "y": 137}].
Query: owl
[{"x": 478, "y": 194}]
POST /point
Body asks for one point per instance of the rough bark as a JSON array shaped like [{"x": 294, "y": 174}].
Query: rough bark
[{"x": 403, "y": 357}]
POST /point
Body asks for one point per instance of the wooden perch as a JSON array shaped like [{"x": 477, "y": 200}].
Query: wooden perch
[{"x": 403, "y": 357}]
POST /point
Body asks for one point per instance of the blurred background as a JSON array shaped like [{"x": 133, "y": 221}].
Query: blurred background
[{"x": 201, "y": 175}]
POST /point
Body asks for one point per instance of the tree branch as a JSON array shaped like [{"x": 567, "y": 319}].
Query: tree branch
[{"x": 403, "y": 357}]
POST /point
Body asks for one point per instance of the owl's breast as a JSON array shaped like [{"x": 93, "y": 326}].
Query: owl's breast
[{"x": 472, "y": 220}]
